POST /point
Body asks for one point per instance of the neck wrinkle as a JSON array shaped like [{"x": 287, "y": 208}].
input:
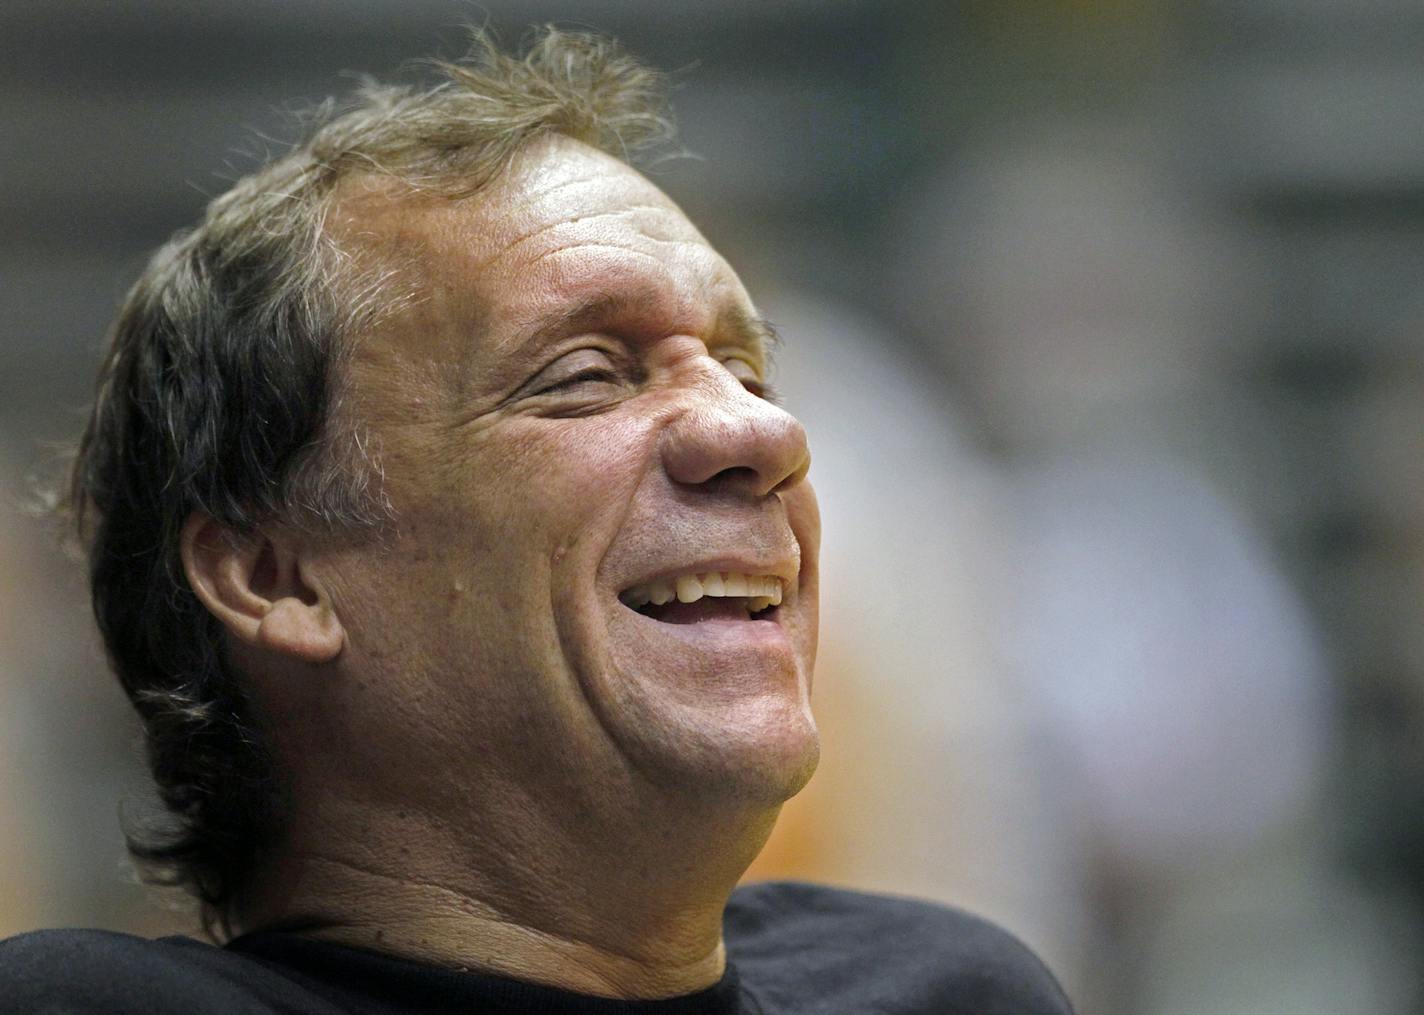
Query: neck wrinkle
[
  {"x": 337, "y": 901},
  {"x": 619, "y": 897}
]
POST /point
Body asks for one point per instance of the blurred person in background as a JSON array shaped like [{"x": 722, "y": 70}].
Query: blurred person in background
[
  {"x": 444, "y": 537},
  {"x": 1171, "y": 666}
]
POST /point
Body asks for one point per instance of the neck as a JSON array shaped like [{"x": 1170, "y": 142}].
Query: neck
[{"x": 636, "y": 916}]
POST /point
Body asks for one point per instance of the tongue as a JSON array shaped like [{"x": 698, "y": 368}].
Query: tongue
[{"x": 706, "y": 608}]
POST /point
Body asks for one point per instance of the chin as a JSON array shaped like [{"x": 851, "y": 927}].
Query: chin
[
  {"x": 712, "y": 712},
  {"x": 781, "y": 769},
  {"x": 759, "y": 760}
]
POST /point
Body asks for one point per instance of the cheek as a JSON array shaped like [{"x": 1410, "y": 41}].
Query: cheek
[
  {"x": 524, "y": 464},
  {"x": 804, "y": 514},
  {"x": 508, "y": 506},
  {"x": 567, "y": 474}
]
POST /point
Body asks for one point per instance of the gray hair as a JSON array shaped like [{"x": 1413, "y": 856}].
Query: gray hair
[{"x": 221, "y": 392}]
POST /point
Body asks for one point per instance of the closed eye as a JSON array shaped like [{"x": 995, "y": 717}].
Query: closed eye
[
  {"x": 750, "y": 378},
  {"x": 592, "y": 375}
]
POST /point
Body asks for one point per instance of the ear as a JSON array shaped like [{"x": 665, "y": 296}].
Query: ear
[{"x": 261, "y": 589}]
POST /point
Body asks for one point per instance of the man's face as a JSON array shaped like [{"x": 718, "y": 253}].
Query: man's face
[{"x": 571, "y": 425}]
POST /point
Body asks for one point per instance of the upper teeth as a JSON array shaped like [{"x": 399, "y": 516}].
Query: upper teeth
[{"x": 761, "y": 590}]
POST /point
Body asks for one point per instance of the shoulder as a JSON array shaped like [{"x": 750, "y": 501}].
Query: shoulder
[
  {"x": 81, "y": 971},
  {"x": 848, "y": 951}
]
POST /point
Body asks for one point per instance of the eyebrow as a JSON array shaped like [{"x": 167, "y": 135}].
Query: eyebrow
[
  {"x": 740, "y": 322},
  {"x": 603, "y": 306},
  {"x": 587, "y": 312}
]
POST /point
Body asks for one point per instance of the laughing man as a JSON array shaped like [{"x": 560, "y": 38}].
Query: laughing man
[{"x": 445, "y": 536}]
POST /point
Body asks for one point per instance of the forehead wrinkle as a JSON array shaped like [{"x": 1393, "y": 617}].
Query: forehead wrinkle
[
  {"x": 624, "y": 210},
  {"x": 603, "y": 245}
]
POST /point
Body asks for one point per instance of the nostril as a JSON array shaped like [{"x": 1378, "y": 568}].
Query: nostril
[{"x": 734, "y": 476}]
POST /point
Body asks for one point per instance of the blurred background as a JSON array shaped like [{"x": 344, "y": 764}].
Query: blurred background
[{"x": 1105, "y": 320}]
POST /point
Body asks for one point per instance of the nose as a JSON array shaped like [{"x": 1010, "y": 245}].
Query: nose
[{"x": 729, "y": 438}]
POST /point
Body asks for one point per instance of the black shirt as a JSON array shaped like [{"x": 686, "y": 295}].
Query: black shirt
[{"x": 790, "y": 947}]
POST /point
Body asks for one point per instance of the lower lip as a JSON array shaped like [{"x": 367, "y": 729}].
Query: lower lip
[{"x": 722, "y": 632}]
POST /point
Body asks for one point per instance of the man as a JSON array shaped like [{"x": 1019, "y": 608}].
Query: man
[{"x": 443, "y": 534}]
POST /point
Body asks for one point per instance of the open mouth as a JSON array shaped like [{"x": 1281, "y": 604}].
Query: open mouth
[{"x": 712, "y": 596}]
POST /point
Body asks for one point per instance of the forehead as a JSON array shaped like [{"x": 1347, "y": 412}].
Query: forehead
[{"x": 567, "y": 230}]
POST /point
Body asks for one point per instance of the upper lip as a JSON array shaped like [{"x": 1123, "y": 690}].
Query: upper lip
[{"x": 786, "y": 569}]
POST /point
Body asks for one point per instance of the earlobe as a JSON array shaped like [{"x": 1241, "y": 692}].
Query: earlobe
[
  {"x": 306, "y": 631},
  {"x": 260, "y": 591}
]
